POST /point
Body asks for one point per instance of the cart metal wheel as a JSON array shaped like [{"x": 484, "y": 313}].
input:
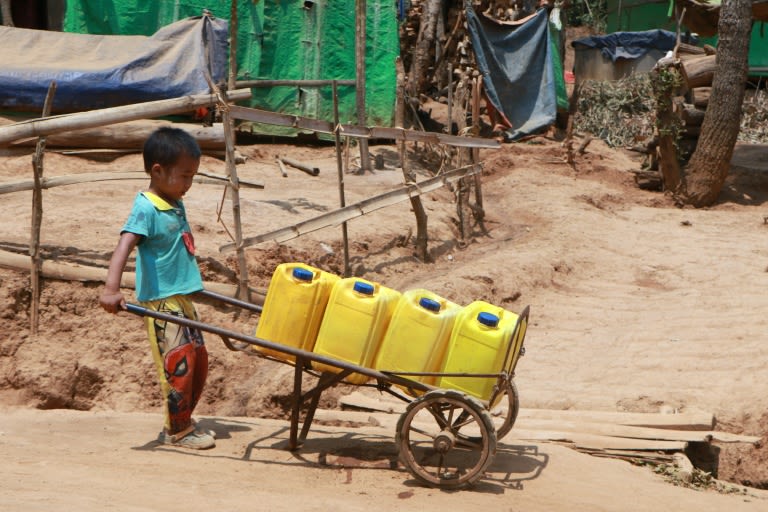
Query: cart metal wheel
[
  {"x": 510, "y": 400},
  {"x": 446, "y": 439}
]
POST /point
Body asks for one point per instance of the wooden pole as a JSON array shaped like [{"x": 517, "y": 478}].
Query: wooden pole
[
  {"x": 312, "y": 171},
  {"x": 37, "y": 217},
  {"x": 360, "y": 37},
  {"x": 243, "y": 292},
  {"x": 358, "y": 209},
  {"x": 75, "y": 272},
  {"x": 282, "y": 168},
  {"x": 479, "y": 212},
  {"x": 449, "y": 130},
  {"x": 409, "y": 176},
  {"x": 106, "y": 116},
  {"x": 340, "y": 171}
]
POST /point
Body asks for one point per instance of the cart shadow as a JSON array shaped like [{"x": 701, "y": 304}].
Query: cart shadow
[
  {"x": 514, "y": 465},
  {"x": 511, "y": 467}
]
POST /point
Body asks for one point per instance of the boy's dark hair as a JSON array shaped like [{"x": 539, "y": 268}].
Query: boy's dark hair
[{"x": 166, "y": 145}]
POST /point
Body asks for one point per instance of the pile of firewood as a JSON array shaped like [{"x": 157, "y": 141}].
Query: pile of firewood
[{"x": 680, "y": 106}]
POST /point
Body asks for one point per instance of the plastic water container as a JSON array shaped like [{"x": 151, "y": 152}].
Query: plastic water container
[
  {"x": 354, "y": 324},
  {"x": 479, "y": 342},
  {"x": 418, "y": 335},
  {"x": 294, "y": 307}
]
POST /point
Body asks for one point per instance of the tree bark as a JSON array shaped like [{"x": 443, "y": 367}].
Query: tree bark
[
  {"x": 425, "y": 41},
  {"x": 708, "y": 167}
]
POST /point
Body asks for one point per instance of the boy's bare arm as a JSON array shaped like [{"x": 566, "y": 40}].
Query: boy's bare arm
[{"x": 112, "y": 299}]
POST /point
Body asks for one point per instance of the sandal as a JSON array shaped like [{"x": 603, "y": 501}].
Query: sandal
[{"x": 188, "y": 438}]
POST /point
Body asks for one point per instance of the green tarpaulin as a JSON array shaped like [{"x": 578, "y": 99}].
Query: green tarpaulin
[{"x": 278, "y": 40}]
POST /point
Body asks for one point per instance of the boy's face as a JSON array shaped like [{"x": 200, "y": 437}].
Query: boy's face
[{"x": 172, "y": 182}]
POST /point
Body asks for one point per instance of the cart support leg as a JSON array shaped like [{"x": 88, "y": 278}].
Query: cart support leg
[
  {"x": 326, "y": 380},
  {"x": 297, "y": 399}
]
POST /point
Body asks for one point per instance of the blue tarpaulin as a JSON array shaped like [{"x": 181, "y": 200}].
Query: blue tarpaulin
[
  {"x": 631, "y": 45},
  {"x": 518, "y": 74},
  {"x": 98, "y": 71}
]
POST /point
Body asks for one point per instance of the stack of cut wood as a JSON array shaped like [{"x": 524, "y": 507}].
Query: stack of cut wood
[
  {"x": 696, "y": 66},
  {"x": 633, "y": 436}
]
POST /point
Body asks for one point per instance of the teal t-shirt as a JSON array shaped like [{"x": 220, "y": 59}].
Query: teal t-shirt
[{"x": 164, "y": 265}]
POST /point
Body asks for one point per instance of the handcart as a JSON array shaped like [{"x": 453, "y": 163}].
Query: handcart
[{"x": 445, "y": 438}]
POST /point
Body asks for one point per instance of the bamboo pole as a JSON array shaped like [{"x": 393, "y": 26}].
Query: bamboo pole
[
  {"x": 359, "y": 209},
  {"x": 202, "y": 178},
  {"x": 360, "y": 37},
  {"x": 340, "y": 172},
  {"x": 282, "y": 168},
  {"x": 290, "y": 83},
  {"x": 312, "y": 171},
  {"x": 106, "y": 116},
  {"x": 229, "y": 139},
  {"x": 37, "y": 217},
  {"x": 362, "y": 132},
  {"x": 74, "y": 272}
]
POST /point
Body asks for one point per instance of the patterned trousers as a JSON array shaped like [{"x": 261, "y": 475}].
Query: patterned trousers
[{"x": 181, "y": 360}]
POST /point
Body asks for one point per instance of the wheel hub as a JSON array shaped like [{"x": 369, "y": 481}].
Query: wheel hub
[{"x": 444, "y": 441}]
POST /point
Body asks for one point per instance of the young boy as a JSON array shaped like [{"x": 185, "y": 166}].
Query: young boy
[{"x": 166, "y": 273}]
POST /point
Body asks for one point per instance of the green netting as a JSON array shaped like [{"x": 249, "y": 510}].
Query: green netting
[{"x": 278, "y": 40}]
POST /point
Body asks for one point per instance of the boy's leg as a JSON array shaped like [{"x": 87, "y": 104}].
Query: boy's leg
[{"x": 181, "y": 361}]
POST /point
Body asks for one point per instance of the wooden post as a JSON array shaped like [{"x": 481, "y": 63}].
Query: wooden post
[
  {"x": 340, "y": 169},
  {"x": 37, "y": 218},
  {"x": 450, "y": 100},
  {"x": 409, "y": 176},
  {"x": 478, "y": 211},
  {"x": 243, "y": 291},
  {"x": 360, "y": 21}
]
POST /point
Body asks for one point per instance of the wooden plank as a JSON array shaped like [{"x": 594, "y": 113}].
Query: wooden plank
[
  {"x": 615, "y": 430},
  {"x": 355, "y": 210},
  {"x": 578, "y": 439},
  {"x": 684, "y": 421}
]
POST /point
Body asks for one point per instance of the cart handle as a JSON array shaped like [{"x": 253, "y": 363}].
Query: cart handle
[{"x": 296, "y": 352}]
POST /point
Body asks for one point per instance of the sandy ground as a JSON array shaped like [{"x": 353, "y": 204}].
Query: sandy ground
[{"x": 636, "y": 305}]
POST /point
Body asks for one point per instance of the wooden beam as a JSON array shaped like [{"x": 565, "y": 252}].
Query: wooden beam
[
  {"x": 107, "y": 116},
  {"x": 356, "y": 210}
]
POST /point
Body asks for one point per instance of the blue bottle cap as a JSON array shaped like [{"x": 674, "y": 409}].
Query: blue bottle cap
[
  {"x": 429, "y": 304},
  {"x": 488, "y": 319},
  {"x": 303, "y": 274},
  {"x": 364, "y": 288}
]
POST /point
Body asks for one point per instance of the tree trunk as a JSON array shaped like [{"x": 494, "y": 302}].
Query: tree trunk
[
  {"x": 706, "y": 171},
  {"x": 5, "y": 11},
  {"x": 425, "y": 41}
]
